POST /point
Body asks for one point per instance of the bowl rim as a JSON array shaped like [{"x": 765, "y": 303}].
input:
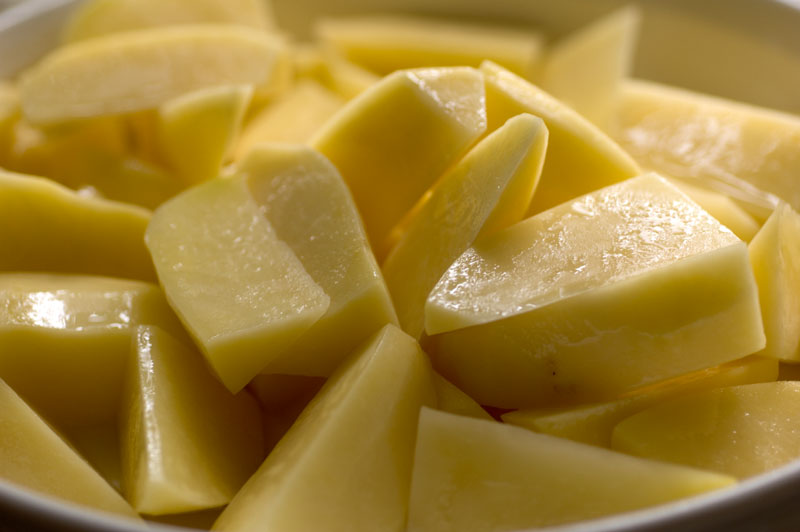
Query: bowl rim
[{"x": 748, "y": 498}]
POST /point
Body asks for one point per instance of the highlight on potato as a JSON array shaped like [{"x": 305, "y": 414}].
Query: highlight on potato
[{"x": 249, "y": 282}]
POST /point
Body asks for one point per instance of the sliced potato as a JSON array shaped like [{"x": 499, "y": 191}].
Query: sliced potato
[
  {"x": 585, "y": 70},
  {"x": 95, "y": 18},
  {"x": 385, "y": 43},
  {"x": 47, "y": 227},
  {"x": 197, "y": 131},
  {"x": 489, "y": 189},
  {"x": 580, "y": 157},
  {"x": 132, "y": 71},
  {"x": 34, "y": 456},
  {"x": 738, "y": 430},
  {"x": 473, "y": 475},
  {"x": 617, "y": 289}
]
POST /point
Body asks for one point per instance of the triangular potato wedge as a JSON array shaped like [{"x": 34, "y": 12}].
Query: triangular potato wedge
[
  {"x": 775, "y": 257},
  {"x": 197, "y": 131},
  {"x": 617, "y": 289},
  {"x": 309, "y": 207},
  {"x": 242, "y": 293},
  {"x": 472, "y": 475},
  {"x": 34, "y": 456},
  {"x": 345, "y": 465},
  {"x": 48, "y": 227},
  {"x": 187, "y": 443},
  {"x": 580, "y": 157},
  {"x": 738, "y": 430}
]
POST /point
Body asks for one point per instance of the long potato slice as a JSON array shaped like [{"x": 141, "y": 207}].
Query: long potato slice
[
  {"x": 102, "y": 17},
  {"x": 140, "y": 70}
]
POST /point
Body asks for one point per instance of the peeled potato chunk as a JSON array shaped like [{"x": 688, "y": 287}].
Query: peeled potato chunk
[
  {"x": 385, "y": 43},
  {"x": 617, "y": 289},
  {"x": 490, "y": 188},
  {"x": 187, "y": 442},
  {"x": 775, "y": 257},
  {"x": 242, "y": 293},
  {"x": 393, "y": 141},
  {"x": 309, "y": 207},
  {"x": 33, "y": 455},
  {"x": 739, "y": 430},
  {"x": 585, "y": 70},
  {"x": 580, "y": 157},
  {"x": 294, "y": 118},
  {"x": 95, "y": 18},
  {"x": 47, "y": 227},
  {"x": 65, "y": 340},
  {"x": 747, "y": 152},
  {"x": 345, "y": 465},
  {"x": 139, "y": 70},
  {"x": 594, "y": 423},
  {"x": 197, "y": 131},
  {"x": 473, "y": 475}
]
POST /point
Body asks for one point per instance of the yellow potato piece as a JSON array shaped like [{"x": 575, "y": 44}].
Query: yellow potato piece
[
  {"x": 489, "y": 189},
  {"x": 50, "y": 228},
  {"x": 385, "y": 43},
  {"x": 594, "y": 423},
  {"x": 292, "y": 119},
  {"x": 64, "y": 340},
  {"x": 345, "y": 465},
  {"x": 308, "y": 205},
  {"x": 775, "y": 257},
  {"x": 139, "y": 70},
  {"x": 242, "y": 293},
  {"x": 101, "y": 17},
  {"x": 35, "y": 457},
  {"x": 617, "y": 289},
  {"x": 197, "y": 131},
  {"x": 473, "y": 475},
  {"x": 723, "y": 208},
  {"x": 187, "y": 442},
  {"x": 580, "y": 157},
  {"x": 739, "y": 430},
  {"x": 748, "y": 153},
  {"x": 585, "y": 69},
  {"x": 393, "y": 141},
  {"x": 451, "y": 399}
]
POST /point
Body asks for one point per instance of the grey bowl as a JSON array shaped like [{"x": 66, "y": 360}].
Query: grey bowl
[{"x": 742, "y": 49}]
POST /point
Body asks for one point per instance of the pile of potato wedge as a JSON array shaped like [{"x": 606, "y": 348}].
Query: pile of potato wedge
[{"x": 412, "y": 274}]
